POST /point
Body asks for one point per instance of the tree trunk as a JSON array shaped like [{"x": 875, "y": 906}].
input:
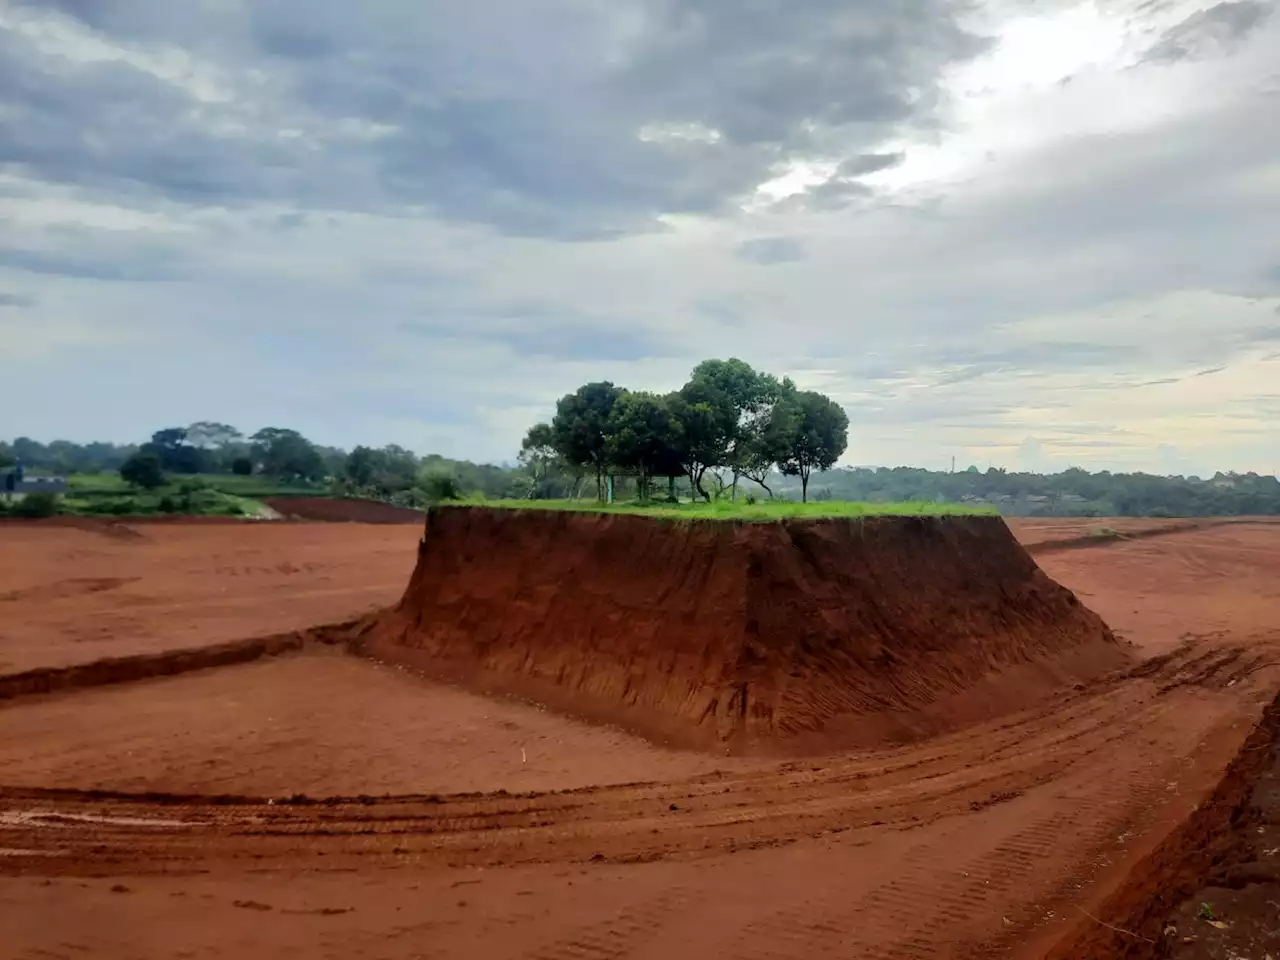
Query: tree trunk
[
  {"x": 671, "y": 488},
  {"x": 599, "y": 484},
  {"x": 734, "y": 495},
  {"x": 696, "y": 479},
  {"x": 804, "y": 486}
]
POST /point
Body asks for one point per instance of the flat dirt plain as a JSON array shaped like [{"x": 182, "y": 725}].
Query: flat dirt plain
[{"x": 317, "y": 805}]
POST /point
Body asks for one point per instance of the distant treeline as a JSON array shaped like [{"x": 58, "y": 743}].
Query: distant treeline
[
  {"x": 398, "y": 475},
  {"x": 1073, "y": 492}
]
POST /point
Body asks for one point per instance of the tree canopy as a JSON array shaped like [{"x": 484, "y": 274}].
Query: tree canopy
[{"x": 727, "y": 417}]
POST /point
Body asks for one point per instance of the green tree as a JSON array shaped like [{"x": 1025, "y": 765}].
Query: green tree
[
  {"x": 210, "y": 435},
  {"x": 144, "y": 469},
  {"x": 362, "y": 466},
  {"x": 175, "y": 453},
  {"x": 242, "y": 466},
  {"x": 538, "y": 456},
  {"x": 706, "y": 423},
  {"x": 644, "y": 437},
  {"x": 744, "y": 398},
  {"x": 808, "y": 431},
  {"x": 287, "y": 455},
  {"x": 581, "y": 426},
  {"x": 437, "y": 486}
]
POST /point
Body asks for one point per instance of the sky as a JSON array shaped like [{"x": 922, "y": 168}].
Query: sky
[{"x": 1028, "y": 233}]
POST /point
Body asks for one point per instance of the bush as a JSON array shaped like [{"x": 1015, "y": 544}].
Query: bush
[
  {"x": 167, "y": 505},
  {"x": 143, "y": 470},
  {"x": 242, "y": 467},
  {"x": 441, "y": 486},
  {"x": 36, "y": 505}
]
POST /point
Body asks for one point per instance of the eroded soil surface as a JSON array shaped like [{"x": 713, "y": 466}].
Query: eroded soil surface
[
  {"x": 76, "y": 594},
  {"x": 1000, "y": 840}
]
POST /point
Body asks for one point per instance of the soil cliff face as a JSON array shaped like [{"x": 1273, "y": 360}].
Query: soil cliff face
[{"x": 712, "y": 633}]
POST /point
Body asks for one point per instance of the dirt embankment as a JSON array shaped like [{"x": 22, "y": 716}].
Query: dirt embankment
[
  {"x": 339, "y": 510},
  {"x": 717, "y": 634}
]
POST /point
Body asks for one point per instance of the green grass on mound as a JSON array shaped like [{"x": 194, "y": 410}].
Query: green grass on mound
[{"x": 760, "y": 511}]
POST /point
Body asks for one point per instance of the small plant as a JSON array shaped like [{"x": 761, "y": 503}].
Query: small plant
[
  {"x": 1206, "y": 911},
  {"x": 751, "y": 500},
  {"x": 37, "y": 505}
]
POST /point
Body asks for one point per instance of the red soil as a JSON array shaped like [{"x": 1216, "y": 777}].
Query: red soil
[
  {"x": 77, "y": 594},
  {"x": 1044, "y": 831},
  {"x": 716, "y": 633},
  {"x": 335, "y": 510},
  {"x": 316, "y": 723}
]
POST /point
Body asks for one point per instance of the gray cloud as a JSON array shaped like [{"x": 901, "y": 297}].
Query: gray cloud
[
  {"x": 770, "y": 250},
  {"x": 8, "y": 299},
  {"x": 99, "y": 265},
  {"x": 531, "y": 127},
  {"x": 868, "y": 163},
  {"x": 1207, "y": 32}
]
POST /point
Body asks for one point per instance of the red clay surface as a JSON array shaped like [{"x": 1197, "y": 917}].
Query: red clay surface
[
  {"x": 1033, "y": 531},
  {"x": 336, "y": 510},
  {"x": 317, "y": 723},
  {"x": 718, "y": 634},
  {"x": 1006, "y": 839},
  {"x": 73, "y": 595}
]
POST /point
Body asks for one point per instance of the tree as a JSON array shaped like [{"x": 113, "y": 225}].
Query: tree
[
  {"x": 807, "y": 431},
  {"x": 644, "y": 437},
  {"x": 175, "y": 453},
  {"x": 287, "y": 454},
  {"x": 361, "y": 466},
  {"x": 706, "y": 424},
  {"x": 144, "y": 469},
  {"x": 437, "y": 485},
  {"x": 744, "y": 397},
  {"x": 242, "y": 466},
  {"x": 581, "y": 425},
  {"x": 538, "y": 455},
  {"x": 210, "y": 435}
]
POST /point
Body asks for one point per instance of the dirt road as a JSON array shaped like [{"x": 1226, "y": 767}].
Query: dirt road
[{"x": 996, "y": 841}]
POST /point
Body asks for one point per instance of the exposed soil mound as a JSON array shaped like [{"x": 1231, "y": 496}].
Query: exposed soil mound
[
  {"x": 714, "y": 633},
  {"x": 334, "y": 510}
]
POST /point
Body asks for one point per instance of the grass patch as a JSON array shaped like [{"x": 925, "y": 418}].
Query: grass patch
[
  {"x": 760, "y": 512},
  {"x": 111, "y": 484}
]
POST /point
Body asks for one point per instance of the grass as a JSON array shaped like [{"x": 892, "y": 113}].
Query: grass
[
  {"x": 758, "y": 512},
  {"x": 106, "y": 495},
  {"x": 110, "y": 484}
]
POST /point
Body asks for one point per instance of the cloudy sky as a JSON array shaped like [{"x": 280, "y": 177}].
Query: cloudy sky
[{"x": 1035, "y": 233}]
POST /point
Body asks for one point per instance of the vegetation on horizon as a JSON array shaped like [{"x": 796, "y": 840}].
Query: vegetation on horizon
[
  {"x": 747, "y": 509},
  {"x": 728, "y": 424}
]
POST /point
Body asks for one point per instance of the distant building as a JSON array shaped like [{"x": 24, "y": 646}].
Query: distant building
[{"x": 17, "y": 484}]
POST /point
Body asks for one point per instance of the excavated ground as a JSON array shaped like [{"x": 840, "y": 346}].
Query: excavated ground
[
  {"x": 820, "y": 634},
  {"x": 204, "y": 815}
]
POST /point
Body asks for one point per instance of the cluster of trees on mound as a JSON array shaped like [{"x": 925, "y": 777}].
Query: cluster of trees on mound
[{"x": 729, "y": 419}]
